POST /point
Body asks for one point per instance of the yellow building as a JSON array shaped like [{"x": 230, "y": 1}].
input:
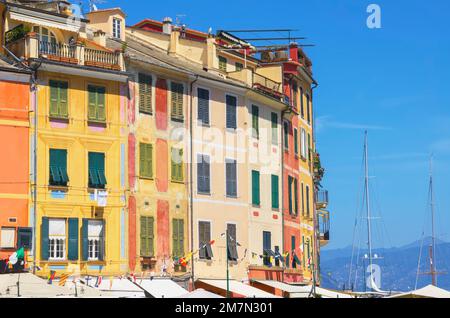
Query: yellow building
[{"x": 79, "y": 211}]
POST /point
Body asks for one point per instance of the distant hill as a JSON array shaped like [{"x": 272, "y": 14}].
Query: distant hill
[{"x": 398, "y": 266}]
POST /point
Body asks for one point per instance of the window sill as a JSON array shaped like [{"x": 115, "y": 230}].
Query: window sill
[
  {"x": 276, "y": 210},
  {"x": 92, "y": 190},
  {"x": 204, "y": 125},
  {"x": 145, "y": 113},
  {"x": 232, "y": 196},
  {"x": 64, "y": 120},
  {"x": 204, "y": 193},
  {"x": 231, "y": 130},
  {"x": 256, "y": 206},
  {"x": 177, "y": 120},
  {"x": 55, "y": 262},
  {"x": 100, "y": 124},
  {"x": 146, "y": 178},
  {"x": 178, "y": 181},
  {"x": 58, "y": 188}
]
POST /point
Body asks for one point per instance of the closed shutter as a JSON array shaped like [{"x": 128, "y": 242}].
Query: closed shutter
[
  {"x": 145, "y": 94},
  {"x": 231, "y": 112},
  {"x": 296, "y": 141},
  {"x": 303, "y": 199},
  {"x": 302, "y": 107},
  {"x": 308, "y": 109},
  {"x": 85, "y": 240},
  {"x": 92, "y": 103},
  {"x": 101, "y": 104},
  {"x": 203, "y": 106},
  {"x": 275, "y": 193},
  {"x": 274, "y": 129},
  {"x": 307, "y": 201},
  {"x": 286, "y": 136},
  {"x": 54, "y": 98},
  {"x": 147, "y": 236},
  {"x": 295, "y": 196},
  {"x": 290, "y": 180},
  {"x": 256, "y": 200},
  {"x": 73, "y": 240},
  {"x": 255, "y": 121},
  {"x": 231, "y": 178},
  {"x": 63, "y": 99},
  {"x": 177, "y": 96},
  {"x": 146, "y": 160},
  {"x": 178, "y": 237},
  {"x": 177, "y": 165},
  {"x": 203, "y": 174},
  {"x": 44, "y": 239}
]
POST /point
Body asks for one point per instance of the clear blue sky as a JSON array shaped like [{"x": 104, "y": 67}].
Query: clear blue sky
[{"x": 393, "y": 81}]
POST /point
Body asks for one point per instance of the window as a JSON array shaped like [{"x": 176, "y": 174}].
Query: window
[
  {"x": 307, "y": 202},
  {"x": 145, "y": 94},
  {"x": 293, "y": 246},
  {"x": 57, "y": 239},
  {"x": 275, "y": 192},
  {"x": 222, "y": 64},
  {"x": 178, "y": 238},
  {"x": 267, "y": 248},
  {"x": 145, "y": 161},
  {"x": 295, "y": 95},
  {"x": 232, "y": 243},
  {"x": 308, "y": 108},
  {"x": 296, "y": 141},
  {"x": 177, "y": 97},
  {"x": 304, "y": 146},
  {"x": 239, "y": 66},
  {"x": 8, "y": 237},
  {"x": 147, "y": 236},
  {"x": 290, "y": 188},
  {"x": 177, "y": 165},
  {"x": 256, "y": 198},
  {"x": 47, "y": 40},
  {"x": 231, "y": 177},
  {"x": 231, "y": 112},
  {"x": 295, "y": 196},
  {"x": 303, "y": 199},
  {"x": 309, "y": 147},
  {"x": 59, "y": 99},
  {"x": 97, "y": 178},
  {"x": 255, "y": 122},
  {"x": 203, "y": 174},
  {"x": 274, "y": 128},
  {"x": 58, "y": 168},
  {"x": 117, "y": 28},
  {"x": 302, "y": 106},
  {"x": 204, "y": 232},
  {"x": 203, "y": 106},
  {"x": 95, "y": 240},
  {"x": 286, "y": 136},
  {"x": 25, "y": 238},
  {"x": 96, "y": 107}
]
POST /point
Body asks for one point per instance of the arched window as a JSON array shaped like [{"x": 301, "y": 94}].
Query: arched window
[{"x": 45, "y": 35}]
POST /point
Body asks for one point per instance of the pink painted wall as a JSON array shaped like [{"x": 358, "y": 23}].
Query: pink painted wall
[
  {"x": 162, "y": 165},
  {"x": 161, "y": 104},
  {"x": 132, "y": 232},
  {"x": 163, "y": 229}
]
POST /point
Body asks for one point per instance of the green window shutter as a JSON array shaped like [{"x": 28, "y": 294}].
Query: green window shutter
[
  {"x": 275, "y": 128},
  {"x": 58, "y": 168},
  {"x": 175, "y": 238},
  {"x": 151, "y": 236},
  {"x": 177, "y": 95},
  {"x": 177, "y": 164},
  {"x": 255, "y": 121},
  {"x": 63, "y": 99},
  {"x": 73, "y": 240},
  {"x": 275, "y": 192},
  {"x": 256, "y": 200},
  {"x": 44, "y": 239},
  {"x": 295, "y": 197},
  {"x": 92, "y": 103},
  {"x": 145, "y": 247},
  {"x": 296, "y": 141},
  {"x": 85, "y": 240},
  {"x": 97, "y": 177},
  {"x": 286, "y": 136},
  {"x": 145, "y": 93},
  {"x": 146, "y": 160},
  {"x": 101, "y": 104},
  {"x": 54, "y": 98},
  {"x": 290, "y": 194},
  {"x": 178, "y": 237}
]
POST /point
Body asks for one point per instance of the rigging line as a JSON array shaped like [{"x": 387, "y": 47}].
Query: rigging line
[{"x": 420, "y": 259}]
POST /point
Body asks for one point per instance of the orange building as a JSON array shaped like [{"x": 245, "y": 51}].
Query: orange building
[{"x": 14, "y": 161}]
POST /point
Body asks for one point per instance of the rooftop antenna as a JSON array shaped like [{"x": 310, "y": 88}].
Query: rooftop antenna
[{"x": 179, "y": 18}]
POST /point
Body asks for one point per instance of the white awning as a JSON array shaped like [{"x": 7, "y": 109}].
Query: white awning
[
  {"x": 119, "y": 288},
  {"x": 46, "y": 20},
  {"x": 31, "y": 286},
  {"x": 236, "y": 287},
  {"x": 429, "y": 291},
  {"x": 162, "y": 288},
  {"x": 200, "y": 294}
]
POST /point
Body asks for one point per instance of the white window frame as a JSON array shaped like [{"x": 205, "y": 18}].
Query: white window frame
[
  {"x": 12, "y": 229},
  {"x": 303, "y": 141},
  {"x": 94, "y": 243},
  {"x": 57, "y": 244},
  {"x": 117, "y": 28}
]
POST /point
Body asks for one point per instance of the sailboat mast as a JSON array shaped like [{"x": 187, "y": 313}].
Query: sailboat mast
[
  {"x": 433, "y": 234},
  {"x": 369, "y": 217}
]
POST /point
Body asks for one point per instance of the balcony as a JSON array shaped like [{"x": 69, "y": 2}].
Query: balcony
[
  {"x": 267, "y": 86},
  {"x": 29, "y": 47},
  {"x": 324, "y": 227},
  {"x": 322, "y": 199}
]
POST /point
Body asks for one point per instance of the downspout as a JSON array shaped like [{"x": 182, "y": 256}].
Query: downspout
[
  {"x": 316, "y": 252},
  {"x": 191, "y": 173}
]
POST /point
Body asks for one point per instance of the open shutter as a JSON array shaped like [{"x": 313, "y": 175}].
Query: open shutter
[
  {"x": 73, "y": 240},
  {"x": 44, "y": 239},
  {"x": 101, "y": 104},
  {"x": 63, "y": 99},
  {"x": 102, "y": 249},
  {"x": 92, "y": 103},
  {"x": 201, "y": 239},
  {"x": 54, "y": 98},
  {"x": 145, "y": 94},
  {"x": 85, "y": 240},
  {"x": 296, "y": 141}
]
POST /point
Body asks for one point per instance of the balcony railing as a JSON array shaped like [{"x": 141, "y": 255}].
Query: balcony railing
[
  {"x": 322, "y": 199},
  {"x": 324, "y": 226},
  {"x": 29, "y": 47},
  {"x": 267, "y": 86}
]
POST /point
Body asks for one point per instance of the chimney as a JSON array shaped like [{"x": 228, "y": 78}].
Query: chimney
[
  {"x": 100, "y": 38},
  {"x": 293, "y": 51},
  {"x": 167, "y": 25}
]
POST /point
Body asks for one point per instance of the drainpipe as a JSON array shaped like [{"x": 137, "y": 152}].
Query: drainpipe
[{"x": 191, "y": 173}]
